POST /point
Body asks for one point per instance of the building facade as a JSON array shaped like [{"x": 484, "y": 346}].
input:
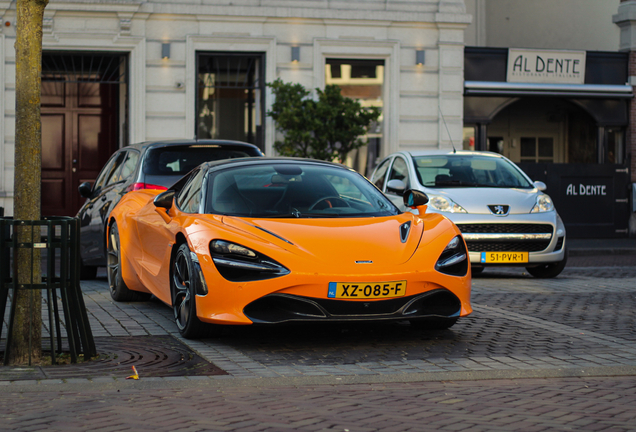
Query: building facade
[
  {"x": 547, "y": 85},
  {"x": 116, "y": 72}
]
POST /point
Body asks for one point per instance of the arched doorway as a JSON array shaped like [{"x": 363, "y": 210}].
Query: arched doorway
[{"x": 544, "y": 130}]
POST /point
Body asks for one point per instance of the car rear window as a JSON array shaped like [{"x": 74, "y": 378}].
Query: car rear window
[{"x": 180, "y": 160}]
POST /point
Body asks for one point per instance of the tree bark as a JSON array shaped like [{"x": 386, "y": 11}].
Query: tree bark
[{"x": 26, "y": 336}]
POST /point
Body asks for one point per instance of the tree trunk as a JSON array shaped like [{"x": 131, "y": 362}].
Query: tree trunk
[{"x": 26, "y": 337}]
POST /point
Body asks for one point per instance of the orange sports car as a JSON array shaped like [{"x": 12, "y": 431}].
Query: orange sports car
[{"x": 280, "y": 240}]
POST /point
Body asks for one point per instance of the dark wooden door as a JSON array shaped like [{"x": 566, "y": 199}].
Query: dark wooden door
[{"x": 79, "y": 133}]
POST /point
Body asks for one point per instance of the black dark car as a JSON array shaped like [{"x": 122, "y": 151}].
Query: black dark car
[{"x": 148, "y": 165}]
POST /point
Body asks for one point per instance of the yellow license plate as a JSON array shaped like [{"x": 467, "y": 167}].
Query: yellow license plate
[
  {"x": 366, "y": 290},
  {"x": 504, "y": 257}
]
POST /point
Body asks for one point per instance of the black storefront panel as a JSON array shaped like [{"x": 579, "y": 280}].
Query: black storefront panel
[{"x": 591, "y": 199}]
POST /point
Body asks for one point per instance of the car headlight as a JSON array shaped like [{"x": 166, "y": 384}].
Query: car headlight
[
  {"x": 238, "y": 263},
  {"x": 454, "y": 259},
  {"x": 223, "y": 247},
  {"x": 444, "y": 204},
  {"x": 544, "y": 204}
]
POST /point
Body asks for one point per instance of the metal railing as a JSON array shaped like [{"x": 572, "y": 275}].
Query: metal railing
[{"x": 56, "y": 240}]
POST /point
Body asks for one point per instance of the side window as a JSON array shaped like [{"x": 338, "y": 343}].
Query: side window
[
  {"x": 380, "y": 174},
  {"x": 189, "y": 198},
  {"x": 129, "y": 164},
  {"x": 400, "y": 171},
  {"x": 114, "y": 176},
  {"x": 107, "y": 172}
]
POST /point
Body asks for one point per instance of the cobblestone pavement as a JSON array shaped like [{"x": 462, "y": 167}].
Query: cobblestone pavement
[
  {"x": 585, "y": 318},
  {"x": 589, "y": 404},
  {"x": 537, "y": 354}
]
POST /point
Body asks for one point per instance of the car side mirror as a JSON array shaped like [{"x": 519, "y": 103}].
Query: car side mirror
[
  {"x": 85, "y": 189},
  {"x": 164, "y": 200},
  {"x": 416, "y": 200},
  {"x": 396, "y": 186},
  {"x": 540, "y": 185}
]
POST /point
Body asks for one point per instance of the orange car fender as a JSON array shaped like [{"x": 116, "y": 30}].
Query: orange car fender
[
  {"x": 220, "y": 305},
  {"x": 438, "y": 232},
  {"x": 131, "y": 251},
  {"x": 128, "y": 265}
]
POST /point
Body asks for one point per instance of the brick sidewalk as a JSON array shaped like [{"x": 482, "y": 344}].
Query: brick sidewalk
[
  {"x": 555, "y": 342},
  {"x": 582, "y": 404}
]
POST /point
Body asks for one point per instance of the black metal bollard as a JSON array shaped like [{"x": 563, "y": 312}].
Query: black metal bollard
[{"x": 60, "y": 275}]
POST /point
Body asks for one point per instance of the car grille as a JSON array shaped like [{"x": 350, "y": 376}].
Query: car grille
[
  {"x": 506, "y": 228},
  {"x": 535, "y": 246},
  {"x": 504, "y": 245}
]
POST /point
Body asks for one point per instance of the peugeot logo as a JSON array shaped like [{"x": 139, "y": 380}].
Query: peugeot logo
[{"x": 499, "y": 209}]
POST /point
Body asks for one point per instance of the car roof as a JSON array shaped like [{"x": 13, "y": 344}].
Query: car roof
[
  {"x": 450, "y": 152},
  {"x": 270, "y": 160},
  {"x": 181, "y": 142}
]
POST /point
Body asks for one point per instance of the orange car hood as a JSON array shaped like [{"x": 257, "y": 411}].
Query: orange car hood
[{"x": 339, "y": 241}]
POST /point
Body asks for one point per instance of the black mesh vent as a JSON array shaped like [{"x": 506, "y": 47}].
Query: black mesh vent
[
  {"x": 279, "y": 308},
  {"x": 504, "y": 246},
  {"x": 504, "y": 228}
]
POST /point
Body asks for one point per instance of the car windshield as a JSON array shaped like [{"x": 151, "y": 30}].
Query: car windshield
[
  {"x": 283, "y": 190},
  {"x": 180, "y": 160},
  {"x": 468, "y": 171}
]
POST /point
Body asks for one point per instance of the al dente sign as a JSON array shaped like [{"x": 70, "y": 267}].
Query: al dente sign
[{"x": 542, "y": 66}]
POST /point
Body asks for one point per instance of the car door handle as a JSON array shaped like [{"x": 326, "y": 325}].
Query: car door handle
[{"x": 104, "y": 198}]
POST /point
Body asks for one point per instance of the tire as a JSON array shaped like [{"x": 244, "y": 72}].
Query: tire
[
  {"x": 549, "y": 270},
  {"x": 87, "y": 272},
  {"x": 182, "y": 287},
  {"x": 433, "y": 323},
  {"x": 118, "y": 289}
]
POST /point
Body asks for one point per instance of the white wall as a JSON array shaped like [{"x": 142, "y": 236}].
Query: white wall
[
  {"x": 556, "y": 24},
  {"x": 161, "y": 108}
]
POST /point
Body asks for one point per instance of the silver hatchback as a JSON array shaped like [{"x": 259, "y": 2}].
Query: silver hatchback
[{"x": 505, "y": 218}]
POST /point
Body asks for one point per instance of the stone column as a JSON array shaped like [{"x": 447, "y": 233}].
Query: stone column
[{"x": 626, "y": 20}]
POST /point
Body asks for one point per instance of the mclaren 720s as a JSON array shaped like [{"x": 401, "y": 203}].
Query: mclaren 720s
[{"x": 280, "y": 240}]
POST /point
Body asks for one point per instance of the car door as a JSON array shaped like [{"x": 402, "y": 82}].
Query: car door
[
  {"x": 378, "y": 178},
  {"x": 116, "y": 187},
  {"x": 93, "y": 214},
  {"x": 158, "y": 235},
  {"x": 399, "y": 171}
]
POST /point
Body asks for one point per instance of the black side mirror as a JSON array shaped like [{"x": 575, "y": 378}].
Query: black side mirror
[
  {"x": 414, "y": 198},
  {"x": 85, "y": 189},
  {"x": 164, "y": 199}
]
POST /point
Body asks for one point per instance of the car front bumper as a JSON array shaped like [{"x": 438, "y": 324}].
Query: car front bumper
[{"x": 542, "y": 235}]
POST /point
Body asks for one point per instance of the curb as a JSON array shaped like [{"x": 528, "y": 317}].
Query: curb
[{"x": 601, "y": 251}]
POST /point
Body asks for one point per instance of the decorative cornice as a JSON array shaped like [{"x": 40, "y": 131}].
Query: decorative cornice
[{"x": 96, "y": 5}]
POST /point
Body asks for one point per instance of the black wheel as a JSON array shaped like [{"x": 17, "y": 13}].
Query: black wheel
[
  {"x": 182, "y": 286},
  {"x": 549, "y": 270},
  {"x": 118, "y": 289},
  {"x": 87, "y": 272},
  {"x": 433, "y": 323}
]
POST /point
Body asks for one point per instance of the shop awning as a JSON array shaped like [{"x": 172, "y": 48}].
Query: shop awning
[{"x": 494, "y": 88}]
